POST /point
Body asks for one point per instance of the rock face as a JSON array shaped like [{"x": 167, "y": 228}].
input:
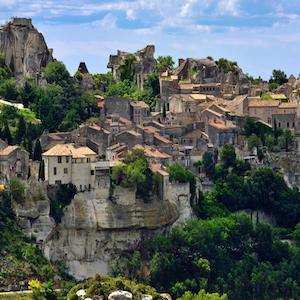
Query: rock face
[
  {"x": 208, "y": 71},
  {"x": 94, "y": 231},
  {"x": 33, "y": 215},
  {"x": 144, "y": 64},
  {"x": 24, "y": 47}
]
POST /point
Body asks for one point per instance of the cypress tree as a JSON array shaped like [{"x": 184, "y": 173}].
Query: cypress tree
[
  {"x": 7, "y": 135},
  {"x": 29, "y": 172},
  {"x": 29, "y": 148},
  {"x": 20, "y": 131},
  {"x": 42, "y": 170},
  {"x": 37, "y": 153},
  {"x": 164, "y": 113}
]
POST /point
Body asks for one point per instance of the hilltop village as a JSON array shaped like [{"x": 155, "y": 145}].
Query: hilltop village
[{"x": 94, "y": 166}]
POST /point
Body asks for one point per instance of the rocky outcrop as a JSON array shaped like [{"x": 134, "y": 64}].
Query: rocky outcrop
[
  {"x": 205, "y": 71},
  {"x": 24, "y": 47},
  {"x": 33, "y": 214},
  {"x": 144, "y": 64},
  {"x": 94, "y": 231}
]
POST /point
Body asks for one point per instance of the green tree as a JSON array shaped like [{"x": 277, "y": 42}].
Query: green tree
[
  {"x": 127, "y": 68},
  {"x": 228, "y": 155},
  {"x": 152, "y": 82},
  {"x": 16, "y": 189},
  {"x": 278, "y": 77},
  {"x": 164, "y": 113},
  {"x": 37, "y": 153},
  {"x": 8, "y": 89},
  {"x": 21, "y": 130},
  {"x": 296, "y": 235},
  {"x": 27, "y": 93},
  {"x": 165, "y": 62},
  {"x": 5, "y": 71},
  {"x": 208, "y": 165},
  {"x": 56, "y": 72},
  {"x": 7, "y": 135},
  {"x": 42, "y": 170},
  {"x": 253, "y": 141},
  {"x": 288, "y": 139},
  {"x": 202, "y": 295}
]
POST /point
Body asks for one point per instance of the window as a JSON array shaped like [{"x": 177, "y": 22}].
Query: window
[
  {"x": 67, "y": 159},
  {"x": 59, "y": 159},
  {"x": 293, "y": 124},
  {"x": 279, "y": 124},
  {"x": 65, "y": 170},
  {"x": 92, "y": 172},
  {"x": 87, "y": 160},
  {"x": 54, "y": 170},
  {"x": 288, "y": 124}
]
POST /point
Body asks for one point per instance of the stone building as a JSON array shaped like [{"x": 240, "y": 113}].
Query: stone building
[
  {"x": 67, "y": 163},
  {"x": 140, "y": 112},
  {"x": 222, "y": 133},
  {"x": 130, "y": 138},
  {"x": 14, "y": 162}
]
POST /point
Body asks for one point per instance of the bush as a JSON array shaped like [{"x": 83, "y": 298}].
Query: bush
[{"x": 16, "y": 189}]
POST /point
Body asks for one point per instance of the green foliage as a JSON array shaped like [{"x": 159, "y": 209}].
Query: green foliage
[
  {"x": 104, "y": 285},
  {"x": 42, "y": 170},
  {"x": 28, "y": 92},
  {"x": 296, "y": 235},
  {"x": 178, "y": 173},
  {"x": 135, "y": 173},
  {"x": 63, "y": 198},
  {"x": 102, "y": 81},
  {"x": 5, "y": 71},
  {"x": 37, "y": 153},
  {"x": 266, "y": 97},
  {"x": 254, "y": 141},
  {"x": 16, "y": 189},
  {"x": 21, "y": 130},
  {"x": 228, "y": 155},
  {"x": 227, "y": 66},
  {"x": 278, "y": 77},
  {"x": 127, "y": 71},
  {"x": 273, "y": 86},
  {"x": 56, "y": 72},
  {"x": 202, "y": 295},
  {"x": 165, "y": 62},
  {"x": 8, "y": 89},
  {"x": 210, "y": 58},
  {"x": 208, "y": 165}
]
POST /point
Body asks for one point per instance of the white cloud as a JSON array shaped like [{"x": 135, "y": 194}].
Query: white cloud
[
  {"x": 109, "y": 21},
  {"x": 230, "y": 7}
]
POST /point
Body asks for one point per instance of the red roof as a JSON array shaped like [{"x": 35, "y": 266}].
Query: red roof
[
  {"x": 159, "y": 137},
  {"x": 101, "y": 104}
]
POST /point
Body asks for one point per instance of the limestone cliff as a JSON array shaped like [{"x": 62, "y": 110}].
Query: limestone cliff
[
  {"x": 96, "y": 228},
  {"x": 24, "y": 47},
  {"x": 144, "y": 64}
]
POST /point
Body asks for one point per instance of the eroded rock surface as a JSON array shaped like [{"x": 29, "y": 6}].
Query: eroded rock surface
[{"x": 24, "y": 47}]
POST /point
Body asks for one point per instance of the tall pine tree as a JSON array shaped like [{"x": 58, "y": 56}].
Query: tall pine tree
[
  {"x": 42, "y": 170},
  {"x": 6, "y": 135},
  {"x": 21, "y": 130}
]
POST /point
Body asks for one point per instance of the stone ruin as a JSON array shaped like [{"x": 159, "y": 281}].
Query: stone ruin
[{"x": 144, "y": 64}]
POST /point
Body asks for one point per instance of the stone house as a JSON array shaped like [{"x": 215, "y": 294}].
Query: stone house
[
  {"x": 222, "y": 133},
  {"x": 130, "y": 138},
  {"x": 14, "y": 162},
  {"x": 154, "y": 155},
  {"x": 67, "y": 163},
  {"x": 118, "y": 106},
  {"x": 265, "y": 109},
  {"x": 115, "y": 151},
  {"x": 93, "y": 136},
  {"x": 196, "y": 138},
  {"x": 139, "y": 112}
]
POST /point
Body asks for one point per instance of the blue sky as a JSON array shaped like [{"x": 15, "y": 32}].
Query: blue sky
[{"x": 261, "y": 35}]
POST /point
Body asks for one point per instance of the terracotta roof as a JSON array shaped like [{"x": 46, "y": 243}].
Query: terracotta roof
[
  {"x": 264, "y": 123},
  {"x": 221, "y": 126},
  {"x": 288, "y": 105},
  {"x": 197, "y": 152},
  {"x": 198, "y": 96},
  {"x": 152, "y": 151},
  {"x": 99, "y": 97},
  {"x": 159, "y": 137},
  {"x": 69, "y": 150},
  {"x": 100, "y": 104},
  {"x": 158, "y": 168},
  {"x": 132, "y": 132},
  {"x": 192, "y": 134},
  {"x": 213, "y": 112},
  {"x": 264, "y": 103},
  {"x": 8, "y": 150}
]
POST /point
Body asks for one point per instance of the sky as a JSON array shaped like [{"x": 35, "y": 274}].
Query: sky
[{"x": 261, "y": 35}]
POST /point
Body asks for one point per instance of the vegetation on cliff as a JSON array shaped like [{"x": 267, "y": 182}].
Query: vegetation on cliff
[{"x": 20, "y": 259}]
